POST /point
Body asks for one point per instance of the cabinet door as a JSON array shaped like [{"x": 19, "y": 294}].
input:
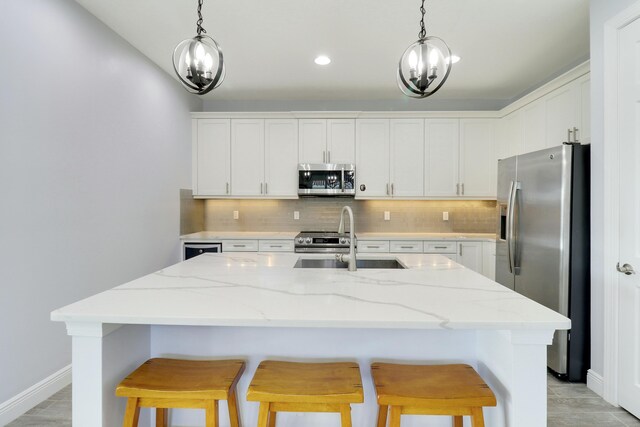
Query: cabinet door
[
  {"x": 211, "y": 157},
  {"x": 247, "y": 157},
  {"x": 478, "y": 161},
  {"x": 563, "y": 113},
  {"x": 534, "y": 118},
  {"x": 441, "y": 157},
  {"x": 372, "y": 158},
  {"x": 407, "y": 157},
  {"x": 489, "y": 260},
  {"x": 584, "y": 131},
  {"x": 511, "y": 135},
  {"x": 312, "y": 140},
  {"x": 341, "y": 141},
  {"x": 470, "y": 255},
  {"x": 280, "y": 158}
]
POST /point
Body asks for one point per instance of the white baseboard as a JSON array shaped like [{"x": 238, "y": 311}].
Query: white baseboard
[
  {"x": 595, "y": 382},
  {"x": 37, "y": 393}
]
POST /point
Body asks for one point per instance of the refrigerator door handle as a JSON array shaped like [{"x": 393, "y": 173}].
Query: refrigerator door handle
[
  {"x": 509, "y": 226},
  {"x": 515, "y": 222}
]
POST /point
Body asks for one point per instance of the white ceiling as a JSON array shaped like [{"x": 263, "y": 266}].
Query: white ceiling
[{"x": 507, "y": 46}]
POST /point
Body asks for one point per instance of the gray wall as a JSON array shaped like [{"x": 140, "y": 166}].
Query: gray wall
[
  {"x": 601, "y": 11},
  {"x": 95, "y": 143}
]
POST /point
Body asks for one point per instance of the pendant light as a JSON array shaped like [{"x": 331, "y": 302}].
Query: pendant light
[
  {"x": 425, "y": 65},
  {"x": 198, "y": 61}
]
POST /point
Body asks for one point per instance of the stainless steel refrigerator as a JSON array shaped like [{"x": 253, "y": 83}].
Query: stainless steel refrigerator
[{"x": 543, "y": 243}]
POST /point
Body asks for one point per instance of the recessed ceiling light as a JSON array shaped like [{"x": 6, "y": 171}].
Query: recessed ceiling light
[
  {"x": 454, "y": 59},
  {"x": 322, "y": 60}
]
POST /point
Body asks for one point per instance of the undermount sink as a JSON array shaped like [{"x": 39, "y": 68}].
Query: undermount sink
[{"x": 361, "y": 263}]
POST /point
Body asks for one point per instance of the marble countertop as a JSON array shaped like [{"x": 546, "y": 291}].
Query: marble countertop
[
  {"x": 255, "y": 289},
  {"x": 286, "y": 235}
]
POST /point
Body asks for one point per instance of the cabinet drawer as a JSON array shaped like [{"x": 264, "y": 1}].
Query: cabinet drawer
[
  {"x": 440, "y": 247},
  {"x": 406, "y": 246},
  {"x": 275, "y": 246},
  {"x": 239, "y": 246},
  {"x": 373, "y": 246}
]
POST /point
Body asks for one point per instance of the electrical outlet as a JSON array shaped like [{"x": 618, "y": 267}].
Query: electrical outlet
[
  {"x": 296, "y": 215},
  {"x": 236, "y": 214},
  {"x": 445, "y": 216},
  {"x": 387, "y": 216}
]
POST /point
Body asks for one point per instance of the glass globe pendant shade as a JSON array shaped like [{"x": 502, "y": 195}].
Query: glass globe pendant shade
[
  {"x": 199, "y": 64},
  {"x": 424, "y": 67}
]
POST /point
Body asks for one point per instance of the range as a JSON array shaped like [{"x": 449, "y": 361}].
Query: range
[{"x": 322, "y": 242}]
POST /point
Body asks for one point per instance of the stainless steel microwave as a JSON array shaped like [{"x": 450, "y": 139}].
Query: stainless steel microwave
[{"x": 326, "y": 179}]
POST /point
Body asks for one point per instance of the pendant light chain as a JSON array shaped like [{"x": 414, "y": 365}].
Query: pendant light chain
[
  {"x": 423, "y": 32},
  {"x": 199, "y": 23}
]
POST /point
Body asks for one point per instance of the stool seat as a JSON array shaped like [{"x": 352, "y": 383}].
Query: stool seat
[
  {"x": 174, "y": 383},
  {"x": 305, "y": 387},
  {"x": 455, "y": 390}
]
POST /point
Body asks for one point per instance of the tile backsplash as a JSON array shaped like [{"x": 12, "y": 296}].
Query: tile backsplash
[{"x": 323, "y": 214}]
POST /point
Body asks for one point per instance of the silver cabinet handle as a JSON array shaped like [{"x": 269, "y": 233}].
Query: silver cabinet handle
[
  {"x": 575, "y": 134},
  {"x": 457, "y": 189},
  {"x": 407, "y": 247},
  {"x": 266, "y": 189},
  {"x": 440, "y": 247},
  {"x": 275, "y": 246},
  {"x": 463, "y": 188},
  {"x": 626, "y": 269},
  {"x": 260, "y": 188},
  {"x": 392, "y": 192},
  {"x": 227, "y": 188},
  {"x": 239, "y": 246},
  {"x": 373, "y": 247},
  {"x": 569, "y": 132},
  {"x": 328, "y": 156},
  {"x": 387, "y": 188}
]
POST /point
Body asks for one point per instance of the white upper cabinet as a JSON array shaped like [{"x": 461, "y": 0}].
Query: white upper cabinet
[
  {"x": 441, "y": 159},
  {"x": 407, "y": 157},
  {"x": 247, "y": 157},
  {"x": 281, "y": 158},
  {"x": 341, "y": 141},
  {"x": 563, "y": 114},
  {"x": 534, "y": 126},
  {"x": 372, "y": 158},
  {"x": 327, "y": 140},
  {"x": 478, "y": 161},
  {"x": 509, "y": 135},
  {"x": 584, "y": 133},
  {"x": 211, "y": 153}
]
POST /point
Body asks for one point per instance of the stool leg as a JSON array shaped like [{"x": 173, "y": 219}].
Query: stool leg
[
  {"x": 263, "y": 414},
  {"x": 234, "y": 415},
  {"x": 161, "y": 417},
  {"x": 345, "y": 415},
  {"x": 394, "y": 417},
  {"x": 477, "y": 418},
  {"x": 211, "y": 413},
  {"x": 132, "y": 413},
  {"x": 382, "y": 415},
  {"x": 457, "y": 421},
  {"x": 272, "y": 419}
]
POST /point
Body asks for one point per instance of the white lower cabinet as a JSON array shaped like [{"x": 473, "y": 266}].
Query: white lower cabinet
[
  {"x": 404, "y": 246},
  {"x": 240, "y": 245},
  {"x": 489, "y": 259},
  {"x": 275, "y": 246},
  {"x": 470, "y": 255},
  {"x": 373, "y": 246}
]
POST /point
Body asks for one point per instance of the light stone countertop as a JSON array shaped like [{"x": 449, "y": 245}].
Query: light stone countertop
[
  {"x": 254, "y": 289},
  {"x": 290, "y": 235}
]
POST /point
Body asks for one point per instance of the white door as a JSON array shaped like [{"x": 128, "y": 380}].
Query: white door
[
  {"x": 372, "y": 158},
  {"x": 478, "y": 160},
  {"x": 629, "y": 172},
  {"x": 247, "y": 157},
  {"x": 312, "y": 140},
  {"x": 407, "y": 157},
  {"x": 281, "y": 157},
  {"x": 441, "y": 159},
  {"x": 470, "y": 255},
  {"x": 341, "y": 141},
  {"x": 212, "y": 157},
  {"x": 534, "y": 120}
]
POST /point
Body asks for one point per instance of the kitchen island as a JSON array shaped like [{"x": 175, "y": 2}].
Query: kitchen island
[{"x": 257, "y": 305}]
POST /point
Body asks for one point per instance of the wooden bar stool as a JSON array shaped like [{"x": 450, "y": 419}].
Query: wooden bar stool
[
  {"x": 455, "y": 390},
  {"x": 305, "y": 387},
  {"x": 174, "y": 383}
]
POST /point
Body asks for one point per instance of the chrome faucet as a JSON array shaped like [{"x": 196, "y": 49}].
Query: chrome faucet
[{"x": 351, "y": 257}]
